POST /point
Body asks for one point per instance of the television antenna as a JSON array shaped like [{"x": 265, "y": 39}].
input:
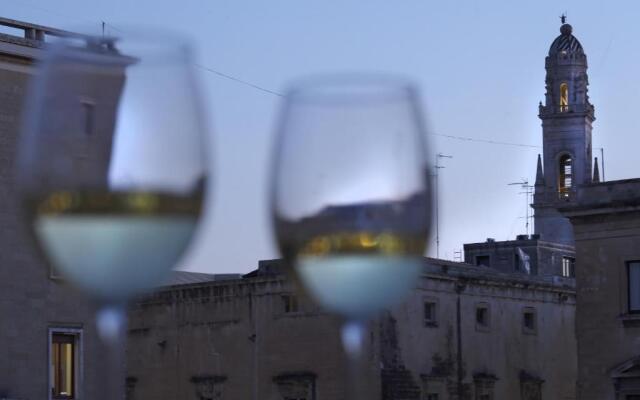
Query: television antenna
[{"x": 524, "y": 185}]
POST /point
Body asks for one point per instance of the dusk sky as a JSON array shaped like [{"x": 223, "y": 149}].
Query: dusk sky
[{"x": 479, "y": 64}]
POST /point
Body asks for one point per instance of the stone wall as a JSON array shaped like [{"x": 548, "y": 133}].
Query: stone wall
[
  {"x": 30, "y": 301},
  {"x": 606, "y": 221},
  {"x": 239, "y": 333}
]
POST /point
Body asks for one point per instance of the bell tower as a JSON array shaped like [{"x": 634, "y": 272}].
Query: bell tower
[{"x": 567, "y": 117}]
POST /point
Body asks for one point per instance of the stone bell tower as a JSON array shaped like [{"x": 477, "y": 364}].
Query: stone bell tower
[{"x": 567, "y": 118}]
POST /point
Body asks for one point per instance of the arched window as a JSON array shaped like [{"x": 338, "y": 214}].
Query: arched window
[
  {"x": 565, "y": 176},
  {"x": 564, "y": 97}
]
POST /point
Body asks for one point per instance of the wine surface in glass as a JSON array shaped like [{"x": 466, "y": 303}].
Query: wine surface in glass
[
  {"x": 115, "y": 244},
  {"x": 355, "y": 260}
]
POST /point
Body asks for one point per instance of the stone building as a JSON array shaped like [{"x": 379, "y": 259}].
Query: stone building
[
  {"x": 464, "y": 333},
  {"x": 606, "y": 224},
  {"x": 528, "y": 254},
  {"x": 50, "y": 348},
  {"x": 567, "y": 117}
]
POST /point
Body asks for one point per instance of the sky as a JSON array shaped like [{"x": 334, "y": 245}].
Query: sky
[{"x": 479, "y": 65}]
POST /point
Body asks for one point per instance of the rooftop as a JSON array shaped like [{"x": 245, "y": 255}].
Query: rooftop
[
  {"x": 604, "y": 197},
  {"x": 190, "y": 285},
  {"x": 27, "y": 34}
]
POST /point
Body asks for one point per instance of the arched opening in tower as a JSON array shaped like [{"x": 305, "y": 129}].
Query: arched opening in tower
[
  {"x": 565, "y": 177},
  {"x": 564, "y": 97}
]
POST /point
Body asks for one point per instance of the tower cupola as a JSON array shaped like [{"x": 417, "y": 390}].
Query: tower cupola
[{"x": 567, "y": 80}]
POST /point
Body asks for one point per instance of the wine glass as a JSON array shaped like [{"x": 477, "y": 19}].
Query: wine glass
[
  {"x": 350, "y": 197},
  {"x": 112, "y": 168}
]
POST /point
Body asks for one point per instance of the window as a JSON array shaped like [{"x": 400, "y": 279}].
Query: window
[
  {"x": 484, "y": 384},
  {"x": 209, "y": 387},
  {"x": 568, "y": 267},
  {"x": 130, "y": 387},
  {"x": 54, "y": 273},
  {"x": 64, "y": 356},
  {"x": 88, "y": 111},
  {"x": 296, "y": 386},
  {"x": 633, "y": 286},
  {"x": 290, "y": 303},
  {"x": 482, "y": 317},
  {"x": 433, "y": 387},
  {"x": 564, "y": 97},
  {"x": 565, "y": 176},
  {"x": 430, "y": 313},
  {"x": 484, "y": 261},
  {"x": 530, "y": 386},
  {"x": 529, "y": 323}
]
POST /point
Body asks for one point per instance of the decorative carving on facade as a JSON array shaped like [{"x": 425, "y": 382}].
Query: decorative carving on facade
[
  {"x": 208, "y": 387},
  {"x": 296, "y": 386},
  {"x": 530, "y": 386},
  {"x": 626, "y": 379}
]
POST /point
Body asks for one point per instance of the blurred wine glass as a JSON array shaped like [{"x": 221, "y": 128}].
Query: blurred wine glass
[
  {"x": 112, "y": 167},
  {"x": 350, "y": 197}
]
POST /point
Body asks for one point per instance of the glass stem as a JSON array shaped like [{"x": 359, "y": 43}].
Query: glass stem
[
  {"x": 353, "y": 340},
  {"x": 111, "y": 322}
]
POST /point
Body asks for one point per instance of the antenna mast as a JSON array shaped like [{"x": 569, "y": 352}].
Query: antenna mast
[
  {"x": 438, "y": 167},
  {"x": 524, "y": 184}
]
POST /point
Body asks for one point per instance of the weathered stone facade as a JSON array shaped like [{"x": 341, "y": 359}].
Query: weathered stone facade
[
  {"x": 525, "y": 255},
  {"x": 33, "y": 305},
  {"x": 254, "y": 338},
  {"x": 606, "y": 222}
]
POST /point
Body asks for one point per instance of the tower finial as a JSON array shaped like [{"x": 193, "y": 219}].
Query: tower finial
[
  {"x": 563, "y": 18},
  {"x": 539, "y": 173},
  {"x": 596, "y": 172}
]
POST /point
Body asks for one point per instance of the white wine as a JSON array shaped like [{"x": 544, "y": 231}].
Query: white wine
[
  {"x": 356, "y": 274},
  {"x": 114, "y": 245},
  {"x": 357, "y": 285}
]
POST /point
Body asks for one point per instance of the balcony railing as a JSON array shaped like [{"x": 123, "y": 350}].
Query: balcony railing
[
  {"x": 566, "y": 109},
  {"x": 33, "y": 31}
]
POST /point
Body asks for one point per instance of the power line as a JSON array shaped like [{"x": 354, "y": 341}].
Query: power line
[
  {"x": 273, "y": 92},
  {"x": 233, "y": 78},
  {"x": 488, "y": 141},
  {"x": 463, "y": 138}
]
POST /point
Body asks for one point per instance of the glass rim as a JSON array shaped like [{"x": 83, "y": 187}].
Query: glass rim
[{"x": 351, "y": 87}]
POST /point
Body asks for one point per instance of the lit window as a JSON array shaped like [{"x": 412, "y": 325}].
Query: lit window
[
  {"x": 568, "y": 267},
  {"x": 564, "y": 97},
  {"x": 64, "y": 356},
  {"x": 565, "y": 177},
  {"x": 633, "y": 287}
]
